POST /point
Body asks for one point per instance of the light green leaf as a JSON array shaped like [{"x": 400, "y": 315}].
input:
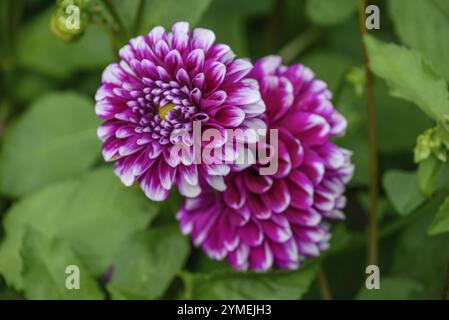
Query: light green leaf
[
  {"x": 54, "y": 139},
  {"x": 167, "y": 12},
  {"x": 39, "y": 50},
  {"x": 427, "y": 174},
  {"x": 327, "y": 12},
  {"x": 410, "y": 76},
  {"x": 231, "y": 285},
  {"x": 402, "y": 190},
  {"x": 422, "y": 25},
  {"x": 94, "y": 214},
  {"x": 441, "y": 222},
  {"x": 432, "y": 176},
  {"x": 44, "y": 270},
  {"x": 157, "y": 255},
  {"x": 392, "y": 289}
]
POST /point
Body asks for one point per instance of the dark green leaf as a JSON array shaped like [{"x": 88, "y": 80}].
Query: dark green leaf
[
  {"x": 393, "y": 114},
  {"x": 420, "y": 257},
  {"x": 238, "y": 285},
  {"x": 94, "y": 214},
  {"x": 157, "y": 255},
  {"x": 40, "y": 50},
  {"x": 392, "y": 289},
  {"x": 402, "y": 190},
  {"x": 54, "y": 139},
  {"x": 44, "y": 270},
  {"x": 441, "y": 222}
]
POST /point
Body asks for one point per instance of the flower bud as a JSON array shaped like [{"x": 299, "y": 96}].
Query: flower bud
[
  {"x": 433, "y": 141},
  {"x": 70, "y": 19}
]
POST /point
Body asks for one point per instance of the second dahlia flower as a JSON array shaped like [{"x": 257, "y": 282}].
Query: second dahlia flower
[
  {"x": 278, "y": 220},
  {"x": 164, "y": 82}
]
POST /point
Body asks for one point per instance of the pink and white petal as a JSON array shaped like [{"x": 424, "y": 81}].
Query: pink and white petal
[
  {"x": 266, "y": 66},
  {"x": 301, "y": 190},
  {"x": 313, "y": 166},
  {"x": 261, "y": 258},
  {"x": 151, "y": 185},
  {"x": 202, "y": 38},
  {"x": 230, "y": 117},
  {"x": 278, "y": 198},
  {"x": 187, "y": 189},
  {"x": 257, "y": 183},
  {"x": 234, "y": 195},
  {"x": 237, "y": 70},
  {"x": 251, "y": 233},
  {"x": 238, "y": 259},
  {"x": 167, "y": 174},
  {"x": 243, "y": 92},
  {"x": 258, "y": 207},
  {"x": 215, "y": 73}
]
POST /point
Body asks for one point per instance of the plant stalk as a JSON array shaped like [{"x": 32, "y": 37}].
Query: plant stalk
[
  {"x": 373, "y": 231},
  {"x": 323, "y": 284},
  {"x": 300, "y": 44}
]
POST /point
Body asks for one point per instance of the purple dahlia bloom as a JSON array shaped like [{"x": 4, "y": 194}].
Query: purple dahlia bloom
[
  {"x": 264, "y": 221},
  {"x": 163, "y": 83}
]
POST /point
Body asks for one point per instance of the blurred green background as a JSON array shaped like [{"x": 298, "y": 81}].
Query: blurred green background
[{"x": 60, "y": 204}]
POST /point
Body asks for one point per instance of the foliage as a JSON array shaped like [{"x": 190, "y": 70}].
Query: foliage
[{"x": 61, "y": 205}]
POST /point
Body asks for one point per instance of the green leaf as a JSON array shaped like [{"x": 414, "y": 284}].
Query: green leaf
[
  {"x": 232, "y": 285},
  {"x": 44, "y": 270},
  {"x": 410, "y": 76},
  {"x": 327, "y": 12},
  {"x": 157, "y": 255},
  {"x": 53, "y": 140},
  {"x": 390, "y": 139},
  {"x": 167, "y": 12},
  {"x": 402, "y": 189},
  {"x": 441, "y": 222},
  {"x": 392, "y": 289},
  {"x": 41, "y": 51},
  {"x": 421, "y": 257},
  {"x": 94, "y": 214},
  {"x": 432, "y": 176},
  {"x": 422, "y": 25}
]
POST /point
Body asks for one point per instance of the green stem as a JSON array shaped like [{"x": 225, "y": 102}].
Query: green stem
[
  {"x": 299, "y": 44},
  {"x": 111, "y": 9},
  {"x": 323, "y": 284},
  {"x": 373, "y": 231}
]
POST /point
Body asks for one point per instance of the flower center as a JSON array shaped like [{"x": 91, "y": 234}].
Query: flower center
[{"x": 165, "y": 110}]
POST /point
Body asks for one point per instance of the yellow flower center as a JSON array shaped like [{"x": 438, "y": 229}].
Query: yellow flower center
[{"x": 163, "y": 111}]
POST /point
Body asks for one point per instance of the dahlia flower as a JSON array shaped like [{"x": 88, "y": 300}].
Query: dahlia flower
[
  {"x": 164, "y": 82},
  {"x": 278, "y": 220}
]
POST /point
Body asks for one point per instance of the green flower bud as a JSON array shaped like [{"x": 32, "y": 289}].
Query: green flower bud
[
  {"x": 70, "y": 20},
  {"x": 433, "y": 141}
]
